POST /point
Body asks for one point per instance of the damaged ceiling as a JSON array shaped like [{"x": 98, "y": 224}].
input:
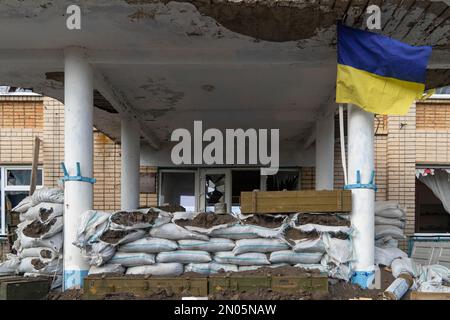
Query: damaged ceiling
[{"x": 230, "y": 63}]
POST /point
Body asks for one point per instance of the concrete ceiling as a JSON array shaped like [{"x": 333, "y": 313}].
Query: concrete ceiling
[{"x": 249, "y": 63}]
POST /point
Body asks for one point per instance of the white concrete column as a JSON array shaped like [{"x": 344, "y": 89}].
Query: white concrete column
[
  {"x": 361, "y": 158},
  {"x": 325, "y": 153},
  {"x": 78, "y": 147},
  {"x": 131, "y": 155}
]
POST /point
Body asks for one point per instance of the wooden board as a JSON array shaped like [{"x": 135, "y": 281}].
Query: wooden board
[
  {"x": 21, "y": 288},
  {"x": 296, "y": 201},
  {"x": 96, "y": 287},
  {"x": 415, "y": 295}
]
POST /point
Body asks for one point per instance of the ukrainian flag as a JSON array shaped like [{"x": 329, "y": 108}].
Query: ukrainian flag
[{"x": 377, "y": 73}]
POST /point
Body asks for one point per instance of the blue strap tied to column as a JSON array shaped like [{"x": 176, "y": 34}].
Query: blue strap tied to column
[
  {"x": 78, "y": 177},
  {"x": 359, "y": 185}
]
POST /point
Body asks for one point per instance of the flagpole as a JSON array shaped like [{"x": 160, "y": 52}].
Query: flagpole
[{"x": 342, "y": 140}]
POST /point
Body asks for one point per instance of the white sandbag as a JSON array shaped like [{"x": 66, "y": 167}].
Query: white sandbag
[
  {"x": 433, "y": 287},
  {"x": 212, "y": 245},
  {"x": 191, "y": 215},
  {"x": 99, "y": 253},
  {"x": 25, "y": 242},
  {"x": 158, "y": 269},
  {"x": 386, "y": 242},
  {"x": 312, "y": 267},
  {"x": 54, "y": 195},
  {"x": 23, "y": 205},
  {"x": 46, "y": 230},
  {"x": 272, "y": 266},
  {"x": 172, "y": 231},
  {"x": 107, "y": 268},
  {"x": 149, "y": 245},
  {"x": 388, "y": 221},
  {"x": 386, "y": 205},
  {"x": 128, "y": 259},
  {"x": 404, "y": 265},
  {"x": 389, "y": 209},
  {"x": 259, "y": 245},
  {"x": 245, "y": 259},
  {"x": 385, "y": 256},
  {"x": 183, "y": 256},
  {"x": 311, "y": 227},
  {"x": 291, "y": 257},
  {"x": 237, "y": 232},
  {"x": 45, "y": 254},
  {"x": 309, "y": 245},
  {"x": 9, "y": 266},
  {"x": 91, "y": 225},
  {"x": 162, "y": 218},
  {"x": 43, "y": 212},
  {"x": 339, "y": 251},
  {"x": 382, "y": 231},
  {"x": 210, "y": 268},
  {"x": 37, "y": 265},
  {"x": 342, "y": 272}
]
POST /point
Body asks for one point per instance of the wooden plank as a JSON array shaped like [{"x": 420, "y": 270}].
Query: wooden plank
[
  {"x": 34, "y": 166},
  {"x": 415, "y": 295},
  {"x": 295, "y": 201}
]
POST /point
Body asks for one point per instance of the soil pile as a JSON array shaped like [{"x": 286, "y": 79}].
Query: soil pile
[
  {"x": 37, "y": 228},
  {"x": 131, "y": 218},
  {"x": 114, "y": 236},
  {"x": 262, "y": 220},
  {"x": 323, "y": 219},
  {"x": 207, "y": 220}
]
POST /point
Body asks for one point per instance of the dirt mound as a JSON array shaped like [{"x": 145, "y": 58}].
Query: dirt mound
[
  {"x": 264, "y": 220},
  {"x": 259, "y": 294},
  {"x": 295, "y": 234},
  {"x": 131, "y": 218},
  {"x": 37, "y": 228},
  {"x": 172, "y": 208},
  {"x": 322, "y": 219},
  {"x": 114, "y": 236},
  {"x": 72, "y": 294},
  {"x": 207, "y": 220},
  {"x": 344, "y": 291}
]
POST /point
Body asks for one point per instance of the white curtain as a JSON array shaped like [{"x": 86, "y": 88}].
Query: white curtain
[{"x": 439, "y": 183}]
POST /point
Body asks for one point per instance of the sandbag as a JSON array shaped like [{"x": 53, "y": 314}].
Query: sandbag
[
  {"x": 158, "y": 269},
  {"x": 210, "y": 268},
  {"x": 43, "y": 212},
  {"x": 91, "y": 225},
  {"x": 237, "y": 232},
  {"x": 312, "y": 267},
  {"x": 23, "y": 205},
  {"x": 37, "y": 265},
  {"x": 107, "y": 269},
  {"x": 339, "y": 251},
  {"x": 272, "y": 266},
  {"x": 311, "y": 227},
  {"x": 385, "y": 256},
  {"x": 389, "y": 221},
  {"x": 149, "y": 245},
  {"x": 309, "y": 245},
  {"x": 405, "y": 265},
  {"x": 292, "y": 257},
  {"x": 389, "y": 209},
  {"x": 212, "y": 245},
  {"x": 54, "y": 195},
  {"x": 173, "y": 232},
  {"x": 382, "y": 231},
  {"x": 259, "y": 245},
  {"x": 9, "y": 266},
  {"x": 45, "y": 254},
  {"x": 183, "y": 256},
  {"x": 99, "y": 253},
  {"x": 386, "y": 242},
  {"x": 128, "y": 259},
  {"x": 245, "y": 259},
  {"x": 24, "y": 242},
  {"x": 39, "y": 230},
  {"x": 139, "y": 219}
]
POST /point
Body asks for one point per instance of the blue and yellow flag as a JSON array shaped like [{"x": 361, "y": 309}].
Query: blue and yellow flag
[{"x": 377, "y": 73}]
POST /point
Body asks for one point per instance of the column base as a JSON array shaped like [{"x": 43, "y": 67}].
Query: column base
[
  {"x": 73, "y": 279},
  {"x": 363, "y": 279}
]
